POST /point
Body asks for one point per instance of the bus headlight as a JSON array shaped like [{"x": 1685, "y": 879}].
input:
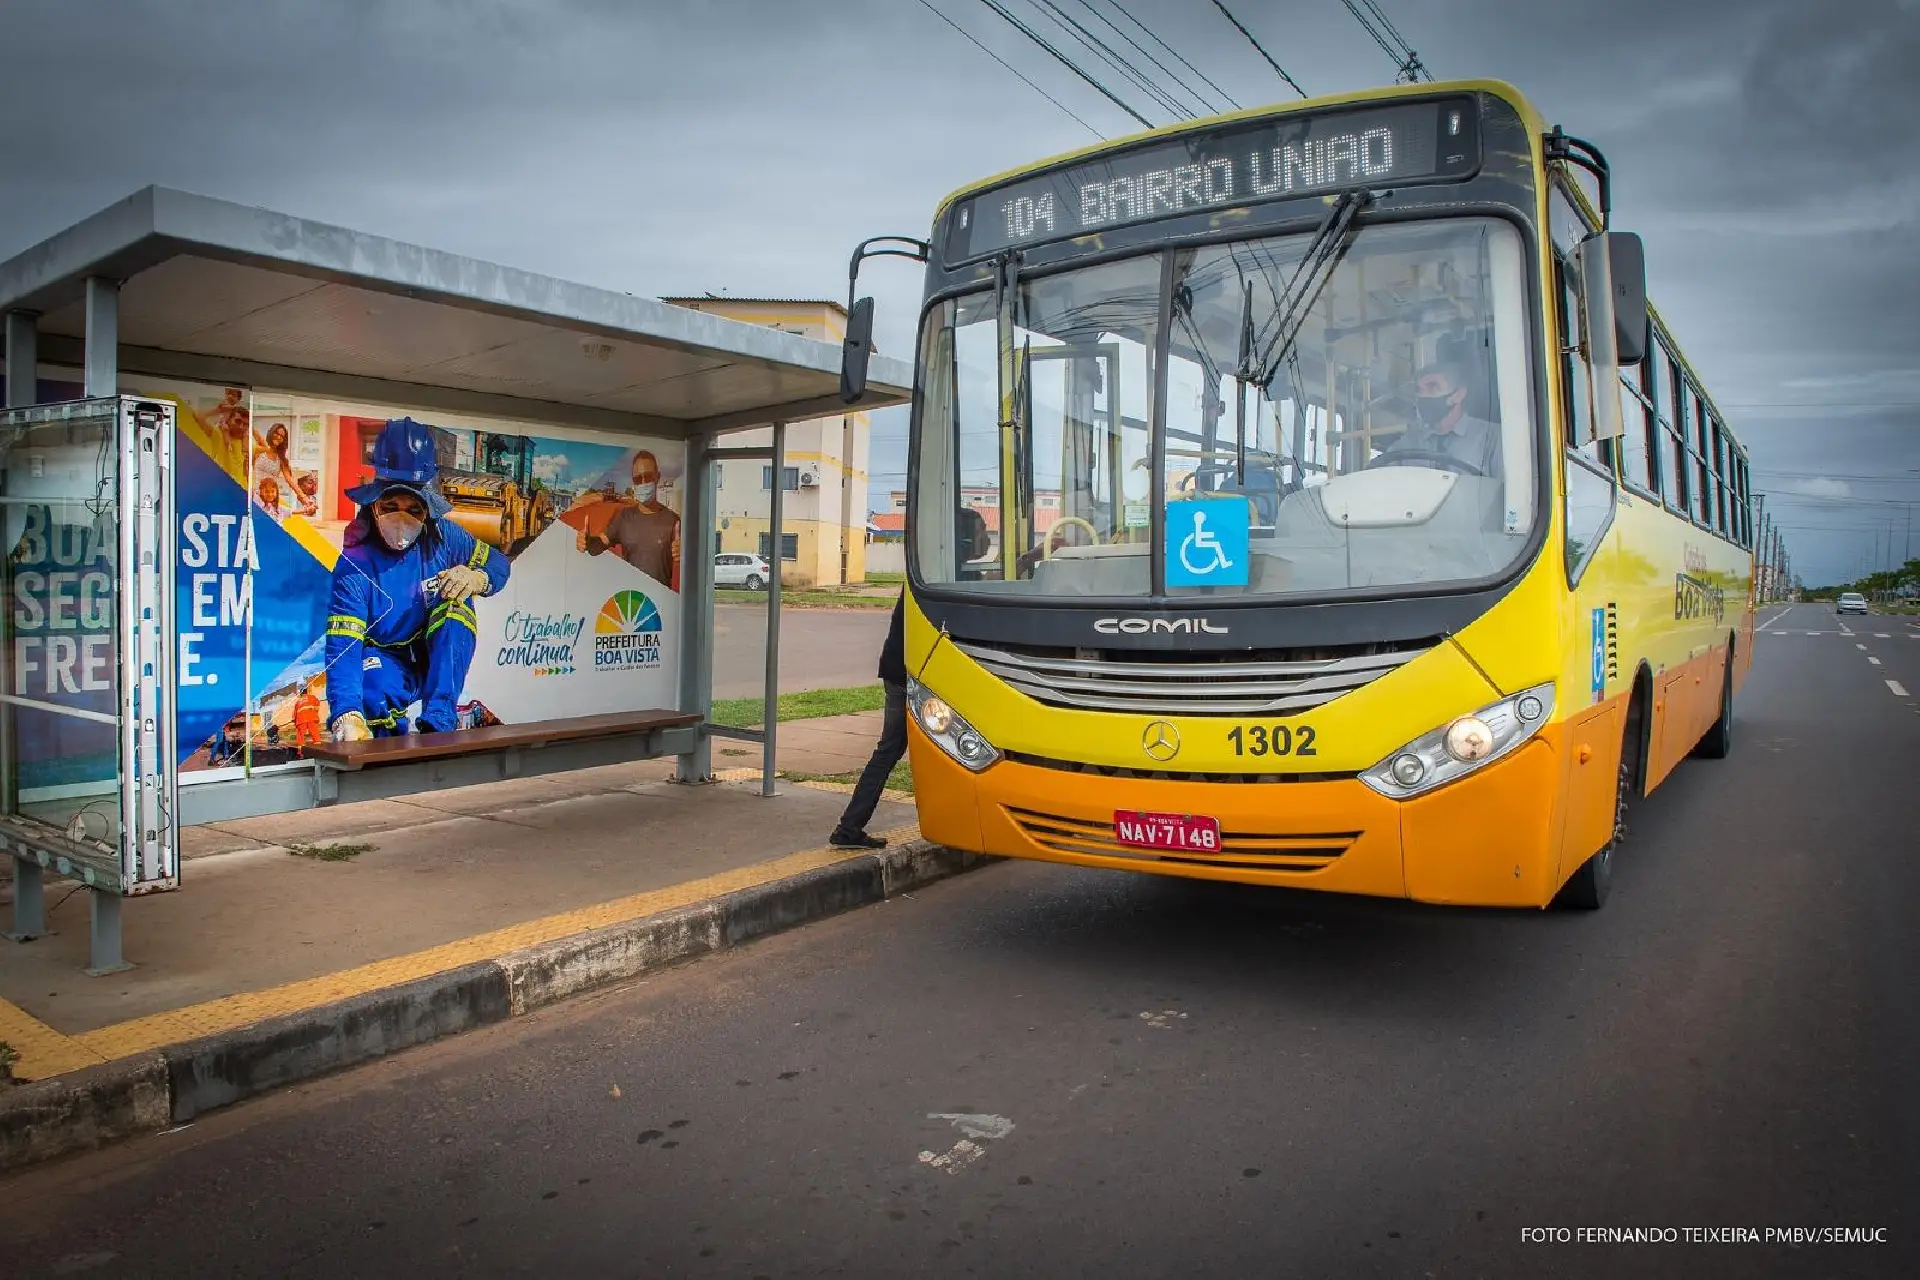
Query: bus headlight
[
  {"x": 1462, "y": 745},
  {"x": 947, "y": 729}
]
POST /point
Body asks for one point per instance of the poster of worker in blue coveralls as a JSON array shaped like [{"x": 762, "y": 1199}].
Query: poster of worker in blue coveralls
[{"x": 353, "y": 570}]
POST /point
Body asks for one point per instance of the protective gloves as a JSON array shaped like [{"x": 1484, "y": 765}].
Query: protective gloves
[
  {"x": 459, "y": 583},
  {"x": 351, "y": 727}
]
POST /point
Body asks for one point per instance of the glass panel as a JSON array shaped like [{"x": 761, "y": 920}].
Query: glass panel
[
  {"x": 1390, "y": 445},
  {"x": 1381, "y": 436},
  {"x": 59, "y": 715},
  {"x": 1589, "y": 507},
  {"x": 1635, "y": 438},
  {"x": 1055, "y": 502}
]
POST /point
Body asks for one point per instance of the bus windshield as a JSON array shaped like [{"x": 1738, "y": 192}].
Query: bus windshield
[{"x": 1389, "y": 444}]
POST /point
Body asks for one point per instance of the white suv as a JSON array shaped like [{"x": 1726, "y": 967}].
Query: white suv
[
  {"x": 1850, "y": 602},
  {"x": 738, "y": 569}
]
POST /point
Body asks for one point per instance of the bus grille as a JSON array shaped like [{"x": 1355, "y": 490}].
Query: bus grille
[
  {"x": 1263, "y": 851},
  {"x": 1199, "y": 686}
]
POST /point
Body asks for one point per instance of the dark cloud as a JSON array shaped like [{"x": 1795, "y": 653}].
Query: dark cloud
[{"x": 1762, "y": 147}]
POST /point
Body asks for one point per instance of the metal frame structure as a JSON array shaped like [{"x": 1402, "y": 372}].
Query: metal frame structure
[{"x": 174, "y": 285}]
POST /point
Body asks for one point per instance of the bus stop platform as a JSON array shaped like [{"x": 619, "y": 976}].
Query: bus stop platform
[{"x": 318, "y": 939}]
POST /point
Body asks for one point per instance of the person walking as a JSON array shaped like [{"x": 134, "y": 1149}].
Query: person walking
[{"x": 851, "y": 832}]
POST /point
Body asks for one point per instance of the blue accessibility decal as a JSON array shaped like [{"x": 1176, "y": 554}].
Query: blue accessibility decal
[{"x": 1207, "y": 543}]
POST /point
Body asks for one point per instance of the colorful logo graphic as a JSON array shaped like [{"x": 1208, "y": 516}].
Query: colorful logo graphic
[{"x": 627, "y": 633}]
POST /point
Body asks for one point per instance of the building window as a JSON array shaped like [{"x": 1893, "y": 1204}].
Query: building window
[
  {"x": 789, "y": 546},
  {"x": 789, "y": 478}
]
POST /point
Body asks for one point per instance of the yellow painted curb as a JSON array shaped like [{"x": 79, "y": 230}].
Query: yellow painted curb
[
  {"x": 43, "y": 1051},
  {"x": 155, "y": 1031}
]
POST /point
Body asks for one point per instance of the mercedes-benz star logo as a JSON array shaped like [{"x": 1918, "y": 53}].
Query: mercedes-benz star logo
[{"x": 1161, "y": 741}]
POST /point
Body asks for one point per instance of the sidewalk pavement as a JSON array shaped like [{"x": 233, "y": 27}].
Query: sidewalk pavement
[{"x": 270, "y": 963}]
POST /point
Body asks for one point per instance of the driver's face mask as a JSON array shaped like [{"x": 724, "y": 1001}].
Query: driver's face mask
[{"x": 1433, "y": 410}]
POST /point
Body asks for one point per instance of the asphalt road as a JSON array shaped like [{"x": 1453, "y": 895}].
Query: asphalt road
[
  {"x": 819, "y": 648},
  {"x": 1157, "y": 1078}
]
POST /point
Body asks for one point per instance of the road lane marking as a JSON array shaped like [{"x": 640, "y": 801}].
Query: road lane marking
[
  {"x": 987, "y": 1128},
  {"x": 975, "y": 1126},
  {"x": 1813, "y": 633},
  {"x": 1899, "y": 690},
  {"x": 1875, "y": 661},
  {"x": 1881, "y": 635},
  {"x": 1860, "y": 647},
  {"x": 1776, "y": 617}
]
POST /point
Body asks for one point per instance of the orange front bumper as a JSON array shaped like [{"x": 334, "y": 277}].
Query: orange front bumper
[{"x": 1491, "y": 839}]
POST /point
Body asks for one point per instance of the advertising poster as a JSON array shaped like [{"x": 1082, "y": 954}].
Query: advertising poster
[{"x": 585, "y": 622}]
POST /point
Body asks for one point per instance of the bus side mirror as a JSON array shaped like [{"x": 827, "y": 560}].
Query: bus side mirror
[
  {"x": 856, "y": 352},
  {"x": 1613, "y": 281}
]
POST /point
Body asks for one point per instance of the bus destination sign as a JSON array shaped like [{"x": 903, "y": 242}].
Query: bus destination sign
[{"x": 1239, "y": 165}]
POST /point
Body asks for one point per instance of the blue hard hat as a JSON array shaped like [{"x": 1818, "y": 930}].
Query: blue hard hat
[{"x": 404, "y": 458}]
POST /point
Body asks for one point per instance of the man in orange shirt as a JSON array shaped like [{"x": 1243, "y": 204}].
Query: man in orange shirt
[{"x": 306, "y": 719}]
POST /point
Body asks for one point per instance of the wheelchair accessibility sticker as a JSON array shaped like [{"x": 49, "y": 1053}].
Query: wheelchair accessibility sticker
[{"x": 1207, "y": 543}]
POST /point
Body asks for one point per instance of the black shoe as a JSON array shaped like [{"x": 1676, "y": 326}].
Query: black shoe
[{"x": 855, "y": 840}]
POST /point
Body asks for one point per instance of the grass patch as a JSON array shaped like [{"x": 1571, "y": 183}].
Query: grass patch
[
  {"x": 328, "y": 852},
  {"x": 745, "y": 713},
  {"x": 886, "y": 579},
  {"x": 901, "y": 779},
  {"x": 8, "y": 1056}
]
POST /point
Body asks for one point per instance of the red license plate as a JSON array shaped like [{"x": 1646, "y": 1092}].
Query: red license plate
[{"x": 1167, "y": 831}]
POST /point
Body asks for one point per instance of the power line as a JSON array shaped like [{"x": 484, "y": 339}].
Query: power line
[
  {"x": 1228, "y": 13},
  {"x": 1106, "y": 53},
  {"x": 1016, "y": 71},
  {"x": 1165, "y": 70},
  {"x": 1391, "y": 42},
  {"x": 1175, "y": 52},
  {"x": 1411, "y": 67},
  {"x": 1065, "y": 61}
]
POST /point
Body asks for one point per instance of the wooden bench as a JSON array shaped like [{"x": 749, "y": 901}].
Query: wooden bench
[{"x": 417, "y": 747}]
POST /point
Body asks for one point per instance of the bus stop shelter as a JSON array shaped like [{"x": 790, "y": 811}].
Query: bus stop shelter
[{"x": 99, "y": 483}]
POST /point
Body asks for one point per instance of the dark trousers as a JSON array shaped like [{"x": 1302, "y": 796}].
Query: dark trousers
[{"x": 873, "y": 778}]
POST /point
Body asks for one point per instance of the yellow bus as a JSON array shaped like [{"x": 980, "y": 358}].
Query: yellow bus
[{"x": 1310, "y": 496}]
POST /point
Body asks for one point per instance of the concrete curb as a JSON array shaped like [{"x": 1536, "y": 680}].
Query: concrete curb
[
  {"x": 83, "y": 1109},
  {"x": 90, "y": 1108}
]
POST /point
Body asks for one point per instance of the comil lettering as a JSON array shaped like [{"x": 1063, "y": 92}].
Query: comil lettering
[{"x": 1156, "y": 626}]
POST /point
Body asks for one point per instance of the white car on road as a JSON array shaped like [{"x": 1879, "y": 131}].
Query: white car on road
[
  {"x": 1850, "y": 602},
  {"x": 738, "y": 569}
]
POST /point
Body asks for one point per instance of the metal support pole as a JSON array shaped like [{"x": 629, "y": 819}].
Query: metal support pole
[
  {"x": 102, "y": 376},
  {"x": 105, "y": 947},
  {"x": 29, "y": 901},
  {"x": 23, "y": 358},
  {"x": 29, "y": 882},
  {"x": 696, "y": 606},
  {"x": 103, "y": 337},
  {"x": 770, "y": 718}
]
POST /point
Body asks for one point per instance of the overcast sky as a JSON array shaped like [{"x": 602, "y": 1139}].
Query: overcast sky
[{"x": 1766, "y": 150}]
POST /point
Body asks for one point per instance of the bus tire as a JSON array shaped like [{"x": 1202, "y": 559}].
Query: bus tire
[
  {"x": 1718, "y": 740},
  {"x": 1587, "y": 889}
]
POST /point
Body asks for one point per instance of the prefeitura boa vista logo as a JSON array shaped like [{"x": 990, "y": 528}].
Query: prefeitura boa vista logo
[{"x": 626, "y": 635}]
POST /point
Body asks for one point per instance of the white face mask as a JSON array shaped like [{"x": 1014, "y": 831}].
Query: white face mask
[
  {"x": 398, "y": 529},
  {"x": 644, "y": 492}
]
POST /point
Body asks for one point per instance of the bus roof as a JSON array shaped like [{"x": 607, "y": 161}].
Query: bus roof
[{"x": 1499, "y": 88}]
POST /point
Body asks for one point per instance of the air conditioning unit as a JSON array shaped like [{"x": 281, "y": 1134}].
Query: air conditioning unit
[{"x": 809, "y": 479}]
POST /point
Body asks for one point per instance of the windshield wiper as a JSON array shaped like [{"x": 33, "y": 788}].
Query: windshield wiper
[{"x": 1329, "y": 245}]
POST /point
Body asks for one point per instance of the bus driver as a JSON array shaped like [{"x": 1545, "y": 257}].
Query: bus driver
[{"x": 1445, "y": 428}]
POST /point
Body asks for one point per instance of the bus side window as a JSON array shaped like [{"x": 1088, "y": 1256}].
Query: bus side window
[{"x": 1578, "y": 387}]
